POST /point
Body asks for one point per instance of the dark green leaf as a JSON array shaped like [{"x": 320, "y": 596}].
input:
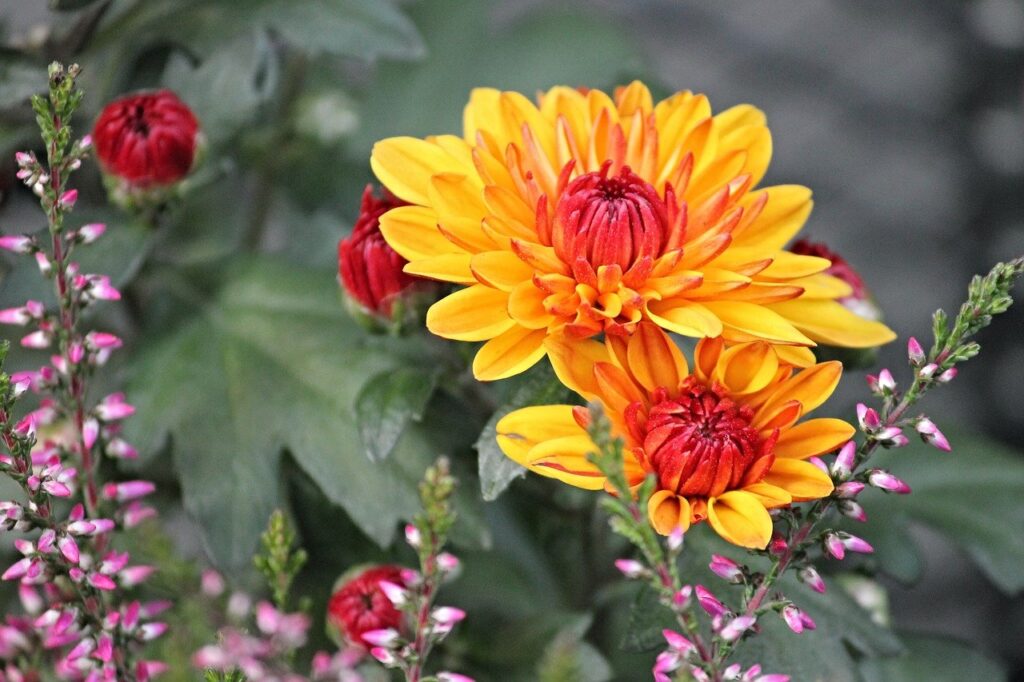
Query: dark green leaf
[
  {"x": 934, "y": 659},
  {"x": 647, "y": 618},
  {"x": 273, "y": 362},
  {"x": 386, "y": 405},
  {"x": 972, "y": 496},
  {"x": 538, "y": 387}
]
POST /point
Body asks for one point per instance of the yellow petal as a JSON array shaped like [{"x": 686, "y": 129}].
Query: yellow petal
[
  {"x": 822, "y": 286},
  {"x": 668, "y": 511},
  {"x": 448, "y": 267},
  {"x": 705, "y": 357},
  {"x": 522, "y": 429},
  {"x": 526, "y": 306},
  {"x": 741, "y": 519},
  {"x": 756, "y": 321},
  {"x": 565, "y": 459},
  {"x": 654, "y": 359},
  {"x": 786, "y": 266},
  {"x": 795, "y": 356},
  {"x": 412, "y": 232},
  {"x": 406, "y": 164},
  {"x": 574, "y": 361},
  {"x": 785, "y": 213},
  {"x": 802, "y": 480},
  {"x": 508, "y": 354},
  {"x": 770, "y": 496},
  {"x": 747, "y": 368},
  {"x": 688, "y": 319},
  {"x": 500, "y": 269},
  {"x": 810, "y": 387},
  {"x": 476, "y": 313},
  {"x": 482, "y": 112},
  {"x": 830, "y": 322},
  {"x": 812, "y": 438}
]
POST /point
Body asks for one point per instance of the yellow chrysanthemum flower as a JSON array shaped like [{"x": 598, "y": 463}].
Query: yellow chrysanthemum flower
[
  {"x": 722, "y": 441},
  {"x": 586, "y": 214}
]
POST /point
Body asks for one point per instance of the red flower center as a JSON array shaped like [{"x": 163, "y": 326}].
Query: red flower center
[
  {"x": 602, "y": 220},
  {"x": 700, "y": 443},
  {"x": 360, "y": 605}
]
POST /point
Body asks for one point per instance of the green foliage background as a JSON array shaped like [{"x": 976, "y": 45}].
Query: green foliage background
[{"x": 256, "y": 391}]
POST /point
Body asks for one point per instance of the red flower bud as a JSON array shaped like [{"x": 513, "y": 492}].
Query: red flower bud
[
  {"x": 147, "y": 139},
  {"x": 369, "y": 269},
  {"x": 359, "y": 605}
]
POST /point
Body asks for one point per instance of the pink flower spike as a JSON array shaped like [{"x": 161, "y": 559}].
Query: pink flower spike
[
  {"x": 834, "y": 546},
  {"x": 709, "y": 602},
  {"x": 101, "y": 582},
  {"x": 68, "y": 199},
  {"x": 37, "y": 339},
  {"x": 446, "y": 676},
  {"x": 69, "y": 548},
  {"x": 396, "y": 594},
  {"x": 883, "y": 480},
  {"x": 726, "y": 569},
  {"x": 630, "y": 568},
  {"x": 678, "y": 642},
  {"x": 128, "y": 490},
  {"x": 17, "y": 243},
  {"x": 736, "y": 627},
  {"x": 856, "y": 544},
  {"x": 931, "y": 435},
  {"x": 16, "y": 316},
  {"x": 385, "y": 637},
  {"x": 90, "y": 431},
  {"x": 91, "y": 232}
]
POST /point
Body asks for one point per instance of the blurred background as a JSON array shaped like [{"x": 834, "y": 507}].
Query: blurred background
[{"x": 906, "y": 119}]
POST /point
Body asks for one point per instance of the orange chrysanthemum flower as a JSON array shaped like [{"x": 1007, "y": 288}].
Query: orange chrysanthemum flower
[
  {"x": 586, "y": 214},
  {"x": 724, "y": 441}
]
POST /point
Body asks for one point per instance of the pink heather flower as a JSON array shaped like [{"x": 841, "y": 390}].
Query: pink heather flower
[
  {"x": 867, "y": 417},
  {"x": 102, "y": 340},
  {"x": 886, "y": 382},
  {"x": 69, "y": 548},
  {"x": 212, "y": 583},
  {"x": 675, "y": 539},
  {"x": 856, "y": 544},
  {"x": 849, "y": 490},
  {"x": 90, "y": 431},
  {"x": 128, "y": 490},
  {"x": 76, "y": 352},
  {"x": 928, "y": 371},
  {"x": 150, "y": 631},
  {"x": 43, "y": 261},
  {"x": 797, "y": 620},
  {"x": 135, "y": 513},
  {"x": 883, "y": 480},
  {"x": 834, "y": 546},
  {"x": 630, "y": 568},
  {"x": 736, "y": 627},
  {"x": 947, "y": 376},
  {"x": 17, "y": 570},
  {"x": 68, "y": 199},
  {"x": 819, "y": 462},
  {"x": 447, "y": 563},
  {"x": 726, "y": 569},
  {"x": 386, "y": 637},
  {"x": 412, "y": 536},
  {"x": 121, "y": 449},
  {"x": 384, "y": 655},
  {"x": 446, "y": 676},
  {"x": 666, "y": 662},
  {"x": 91, "y": 232},
  {"x": 16, "y": 316},
  {"x": 678, "y": 642},
  {"x": 135, "y": 575},
  {"x": 101, "y": 582},
  {"x": 890, "y": 435},
  {"x": 23, "y": 158},
  {"x": 37, "y": 339},
  {"x": 113, "y": 407},
  {"x": 931, "y": 435},
  {"x": 100, "y": 288},
  {"x": 852, "y": 510},
  {"x": 396, "y": 594},
  {"x": 447, "y": 615},
  {"x": 778, "y": 545},
  {"x": 31, "y": 602},
  {"x": 709, "y": 602},
  {"x": 915, "y": 353},
  {"x": 17, "y": 243}
]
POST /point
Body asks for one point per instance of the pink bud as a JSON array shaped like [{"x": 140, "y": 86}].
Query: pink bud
[
  {"x": 681, "y": 598},
  {"x": 85, "y": 142},
  {"x": 105, "y": 648},
  {"x": 849, "y": 490},
  {"x": 212, "y": 583},
  {"x": 68, "y": 199},
  {"x": 81, "y": 528},
  {"x": 675, "y": 539},
  {"x": 43, "y": 261},
  {"x": 22, "y": 158},
  {"x": 384, "y": 655},
  {"x": 819, "y": 462},
  {"x": 928, "y": 371},
  {"x": 396, "y": 594},
  {"x": 915, "y": 352},
  {"x": 135, "y": 513},
  {"x": 448, "y": 563},
  {"x": 99, "y": 340},
  {"x": 16, "y": 316},
  {"x": 834, "y": 546},
  {"x": 412, "y": 536},
  {"x": 883, "y": 480},
  {"x": 113, "y": 408},
  {"x": 886, "y": 382},
  {"x": 91, "y": 232},
  {"x": 930, "y": 434},
  {"x": 30, "y": 599},
  {"x": 446, "y": 676},
  {"x": 726, "y": 569},
  {"x": 889, "y": 434},
  {"x": 796, "y": 619},
  {"x": 385, "y": 637},
  {"x": 121, "y": 449},
  {"x": 150, "y": 631},
  {"x": 852, "y": 510},
  {"x": 69, "y": 548},
  {"x": 667, "y": 661},
  {"x": 37, "y": 339},
  {"x": 736, "y": 627},
  {"x": 709, "y": 602},
  {"x": 134, "y": 575},
  {"x": 947, "y": 376},
  {"x": 17, "y": 570},
  {"x": 16, "y": 243},
  {"x": 867, "y": 417},
  {"x": 678, "y": 642},
  {"x": 128, "y": 490},
  {"x": 856, "y": 544},
  {"x": 447, "y": 615},
  {"x": 778, "y": 545},
  {"x": 101, "y": 582},
  {"x": 630, "y": 568},
  {"x": 90, "y": 431},
  {"x": 100, "y": 288}
]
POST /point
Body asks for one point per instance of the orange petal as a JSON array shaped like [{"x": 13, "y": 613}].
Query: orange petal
[
  {"x": 508, "y": 354},
  {"x": 802, "y": 480},
  {"x": 812, "y": 438},
  {"x": 668, "y": 511},
  {"x": 476, "y": 313},
  {"x": 810, "y": 387},
  {"x": 705, "y": 357},
  {"x": 448, "y": 267},
  {"x": 526, "y": 306},
  {"x": 566, "y": 459},
  {"x": 740, "y": 518},
  {"x": 757, "y": 321},
  {"x": 654, "y": 359},
  {"x": 574, "y": 362},
  {"x": 747, "y": 368}
]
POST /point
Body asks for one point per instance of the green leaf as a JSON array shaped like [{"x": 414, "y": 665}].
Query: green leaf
[
  {"x": 539, "y": 386},
  {"x": 467, "y": 50},
  {"x": 364, "y": 29},
  {"x": 386, "y": 405},
  {"x": 647, "y": 618},
  {"x": 227, "y": 90},
  {"x": 934, "y": 659},
  {"x": 272, "y": 363},
  {"x": 972, "y": 496},
  {"x": 570, "y": 659}
]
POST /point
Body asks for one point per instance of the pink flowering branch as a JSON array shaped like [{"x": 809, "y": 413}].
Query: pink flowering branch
[{"x": 82, "y": 623}]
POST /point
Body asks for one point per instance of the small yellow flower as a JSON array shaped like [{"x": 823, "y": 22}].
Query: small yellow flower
[
  {"x": 586, "y": 214},
  {"x": 723, "y": 440}
]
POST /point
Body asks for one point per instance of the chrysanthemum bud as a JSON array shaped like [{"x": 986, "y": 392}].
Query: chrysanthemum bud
[
  {"x": 883, "y": 480},
  {"x": 915, "y": 353},
  {"x": 371, "y": 272},
  {"x": 359, "y": 604},
  {"x": 146, "y": 140},
  {"x": 930, "y": 434},
  {"x": 726, "y": 569}
]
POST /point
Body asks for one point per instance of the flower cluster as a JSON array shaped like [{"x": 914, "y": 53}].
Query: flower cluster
[{"x": 79, "y": 618}]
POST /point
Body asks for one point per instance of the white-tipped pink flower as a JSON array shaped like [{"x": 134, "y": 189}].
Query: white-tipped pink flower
[
  {"x": 834, "y": 546},
  {"x": 446, "y": 676},
  {"x": 666, "y": 662},
  {"x": 709, "y": 602},
  {"x": 797, "y": 620},
  {"x": 16, "y": 316},
  {"x": 883, "y": 480},
  {"x": 856, "y": 544},
  {"x": 931, "y": 435},
  {"x": 726, "y": 569},
  {"x": 867, "y": 417},
  {"x": 69, "y": 548},
  {"x": 150, "y": 631},
  {"x": 412, "y": 536},
  {"x": 396, "y": 594},
  {"x": 91, "y": 232},
  {"x": 17, "y": 243},
  {"x": 385, "y": 656},
  {"x": 127, "y": 490},
  {"x": 675, "y": 539},
  {"x": 90, "y": 431},
  {"x": 886, "y": 382},
  {"x": 928, "y": 371},
  {"x": 852, "y": 510},
  {"x": 135, "y": 575},
  {"x": 447, "y": 615},
  {"x": 631, "y": 568},
  {"x": 385, "y": 637},
  {"x": 68, "y": 199},
  {"x": 44, "y": 264},
  {"x": 113, "y": 408},
  {"x": 736, "y": 627},
  {"x": 38, "y": 339},
  {"x": 947, "y": 376},
  {"x": 678, "y": 642},
  {"x": 448, "y": 563},
  {"x": 102, "y": 341},
  {"x": 849, "y": 490},
  {"x": 212, "y": 583},
  {"x": 842, "y": 467},
  {"x": 102, "y": 582},
  {"x": 915, "y": 353}
]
